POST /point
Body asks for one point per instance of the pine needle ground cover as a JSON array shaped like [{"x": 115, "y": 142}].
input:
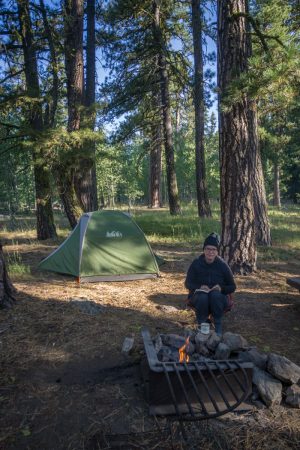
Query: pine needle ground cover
[{"x": 64, "y": 382}]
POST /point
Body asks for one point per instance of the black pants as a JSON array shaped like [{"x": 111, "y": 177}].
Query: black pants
[{"x": 213, "y": 303}]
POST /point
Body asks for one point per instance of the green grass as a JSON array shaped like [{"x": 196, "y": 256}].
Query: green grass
[
  {"x": 188, "y": 228},
  {"x": 285, "y": 226},
  {"x": 15, "y": 264},
  {"x": 185, "y": 229}
]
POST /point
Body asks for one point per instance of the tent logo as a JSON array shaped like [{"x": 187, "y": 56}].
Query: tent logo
[{"x": 114, "y": 234}]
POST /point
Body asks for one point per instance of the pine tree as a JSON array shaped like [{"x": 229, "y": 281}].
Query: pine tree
[
  {"x": 73, "y": 47},
  {"x": 201, "y": 188},
  {"x": 142, "y": 64},
  {"x": 85, "y": 175},
  {"x": 237, "y": 140},
  {"x": 44, "y": 213}
]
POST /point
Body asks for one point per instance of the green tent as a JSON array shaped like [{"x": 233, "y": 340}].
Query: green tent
[{"x": 104, "y": 246}]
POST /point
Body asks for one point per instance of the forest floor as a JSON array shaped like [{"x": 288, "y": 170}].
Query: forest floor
[{"x": 66, "y": 385}]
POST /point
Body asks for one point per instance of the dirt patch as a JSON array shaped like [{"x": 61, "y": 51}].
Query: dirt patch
[{"x": 66, "y": 385}]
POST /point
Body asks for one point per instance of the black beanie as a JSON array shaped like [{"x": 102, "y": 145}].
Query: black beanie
[{"x": 213, "y": 239}]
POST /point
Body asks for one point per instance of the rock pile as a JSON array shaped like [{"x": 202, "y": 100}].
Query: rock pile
[{"x": 275, "y": 378}]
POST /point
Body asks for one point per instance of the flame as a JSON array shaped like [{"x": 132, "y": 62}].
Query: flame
[{"x": 183, "y": 356}]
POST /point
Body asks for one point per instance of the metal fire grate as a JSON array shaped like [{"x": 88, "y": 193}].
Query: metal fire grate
[{"x": 194, "y": 390}]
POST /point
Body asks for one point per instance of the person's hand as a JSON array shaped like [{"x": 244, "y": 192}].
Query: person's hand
[
  {"x": 204, "y": 287},
  {"x": 217, "y": 287}
]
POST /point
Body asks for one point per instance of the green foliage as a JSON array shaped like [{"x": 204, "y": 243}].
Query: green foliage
[
  {"x": 275, "y": 82},
  {"x": 119, "y": 175}
]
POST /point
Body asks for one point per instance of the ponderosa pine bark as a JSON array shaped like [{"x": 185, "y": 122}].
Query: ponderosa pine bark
[
  {"x": 201, "y": 187},
  {"x": 85, "y": 176},
  {"x": 44, "y": 213},
  {"x": 51, "y": 107},
  {"x": 74, "y": 61},
  {"x": 174, "y": 203},
  {"x": 276, "y": 186},
  {"x": 7, "y": 290},
  {"x": 73, "y": 45},
  {"x": 262, "y": 224},
  {"x": 155, "y": 168},
  {"x": 238, "y": 143}
]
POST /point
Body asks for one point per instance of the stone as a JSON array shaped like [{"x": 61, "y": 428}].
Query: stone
[
  {"x": 234, "y": 341},
  {"x": 213, "y": 341},
  {"x": 127, "y": 345},
  {"x": 270, "y": 389},
  {"x": 293, "y": 396},
  {"x": 253, "y": 355},
  {"x": 166, "y": 354},
  {"x": 190, "y": 348},
  {"x": 157, "y": 343},
  {"x": 174, "y": 340},
  {"x": 167, "y": 308},
  {"x": 283, "y": 369},
  {"x": 200, "y": 343},
  {"x": 87, "y": 306},
  {"x": 202, "y": 349},
  {"x": 199, "y": 358},
  {"x": 222, "y": 351},
  {"x": 201, "y": 338}
]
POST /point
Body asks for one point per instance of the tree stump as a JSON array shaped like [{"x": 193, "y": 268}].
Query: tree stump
[{"x": 7, "y": 290}]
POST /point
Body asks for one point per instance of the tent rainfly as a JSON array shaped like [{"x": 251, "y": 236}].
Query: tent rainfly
[{"x": 104, "y": 246}]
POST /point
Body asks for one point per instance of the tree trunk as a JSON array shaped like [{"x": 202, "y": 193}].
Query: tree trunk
[
  {"x": 201, "y": 188},
  {"x": 155, "y": 168},
  {"x": 45, "y": 221},
  {"x": 53, "y": 97},
  {"x": 174, "y": 204},
  {"x": 65, "y": 184},
  {"x": 73, "y": 23},
  {"x": 74, "y": 61},
  {"x": 14, "y": 202},
  {"x": 177, "y": 113},
  {"x": 6, "y": 288},
  {"x": 238, "y": 143},
  {"x": 276, "y": 195},
  {"x": 86, "y": 185},
  {"x": 262, "y": 225}
]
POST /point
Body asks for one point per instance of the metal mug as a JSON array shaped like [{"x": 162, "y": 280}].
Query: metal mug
[{"x": 204, "y": 328}]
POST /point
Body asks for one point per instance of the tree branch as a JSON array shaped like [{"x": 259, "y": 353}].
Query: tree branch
[
  {"x": 262, "y": 37},
  {"x": 9, "y": 125},
  {"x": 11, "y": 76}
]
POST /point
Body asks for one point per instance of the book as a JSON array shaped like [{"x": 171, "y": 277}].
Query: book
[{"x": 207, "y": 289}]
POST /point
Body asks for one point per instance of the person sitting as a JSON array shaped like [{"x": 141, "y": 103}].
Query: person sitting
[{"x": 209, "y": 281}]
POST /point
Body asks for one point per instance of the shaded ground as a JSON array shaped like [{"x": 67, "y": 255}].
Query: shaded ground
[{"x": 66, "y": 385}]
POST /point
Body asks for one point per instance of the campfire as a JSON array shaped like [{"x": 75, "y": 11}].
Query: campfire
[
  {"x": 180, "y": 380},
  {"x": 183, "y": 356},
  {"x": 204, "y": 375}
]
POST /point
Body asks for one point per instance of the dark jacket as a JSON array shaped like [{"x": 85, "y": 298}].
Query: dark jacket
[{"x": 218, "y": 272}]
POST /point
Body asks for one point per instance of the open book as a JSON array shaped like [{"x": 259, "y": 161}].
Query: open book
[{"x": 207, "y": 290}]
